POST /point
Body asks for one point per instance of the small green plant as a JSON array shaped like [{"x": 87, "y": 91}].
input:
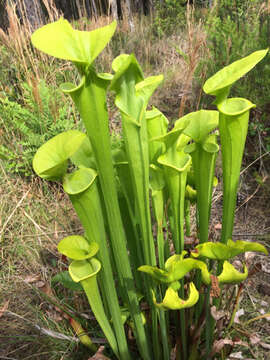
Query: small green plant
[
  {"x": 27, "y": 126},
  {"x": 119, "y": 261},
  {"x": 168, "y": 15}
]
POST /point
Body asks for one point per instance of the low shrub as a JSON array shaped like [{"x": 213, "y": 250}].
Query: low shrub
[{"x": 25, "y": 126}]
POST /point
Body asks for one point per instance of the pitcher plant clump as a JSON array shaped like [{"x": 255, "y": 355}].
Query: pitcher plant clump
[{"x": 133, "y": 202}]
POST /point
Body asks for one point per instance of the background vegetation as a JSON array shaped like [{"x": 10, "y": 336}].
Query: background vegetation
[{"x": 185, "y": 43}]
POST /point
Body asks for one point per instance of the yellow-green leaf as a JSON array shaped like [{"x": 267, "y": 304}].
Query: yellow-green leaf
[
  {"x": 230, "y": 275},
  {"x": 77, "y": 247},
  {"x": 172, "y": 301},
  {"x": 220, "y": 251},
  {"x": 78, "y": 181},
  {"x": 225, "y": 77},
  {"x": 60, "y": 40},
  {"x": 51, "y": 159},
  {"x": 80, "y": 270}
]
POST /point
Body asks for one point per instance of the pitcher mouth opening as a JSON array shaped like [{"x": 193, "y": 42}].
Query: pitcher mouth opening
[
  {"x": 235, "y": 106},
  {"x": 78, "y": 181},
  {"x": 69, "y": 88}
]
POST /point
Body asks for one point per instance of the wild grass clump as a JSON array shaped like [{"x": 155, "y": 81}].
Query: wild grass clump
[
  {"x": 16, "y": 43},
  {"x": 28, "y": 260}
]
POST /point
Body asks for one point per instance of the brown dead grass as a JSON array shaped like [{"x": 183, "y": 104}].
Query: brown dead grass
[
  {"x": 156, "y": 55},
  {"x": 34, "y": 217}
]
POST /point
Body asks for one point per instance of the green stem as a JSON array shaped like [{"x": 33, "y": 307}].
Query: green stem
[
  {"x": 203, "y": 164},
  {"x": 177, "y": 183},
  {"x": 131, "y": 230},
  {"x": 164, "y": 334},
  {"x": 183, "y": 325},
  {"x": 156, "y": 344},
  {"x": 132, "y": 95},
  {"x": 139, "y": 168},
  {"x": 233, "y": 126},
  {"x": 92, "y": 292},
  {"x": 158, "y": 205},
  {"x": 90, "y": 99},
  {"x": 194, "y": 353},
  {"x": 84, "y": 203}
]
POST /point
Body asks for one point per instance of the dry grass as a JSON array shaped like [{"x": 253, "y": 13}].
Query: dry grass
[
  {"x": 29, "y": 63},
  {"x": 33, "y": 220},
  {"x": 156, "y": 55},
  {"x": 32, "y": 214},
  {"x": 196, "y": 49}
]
